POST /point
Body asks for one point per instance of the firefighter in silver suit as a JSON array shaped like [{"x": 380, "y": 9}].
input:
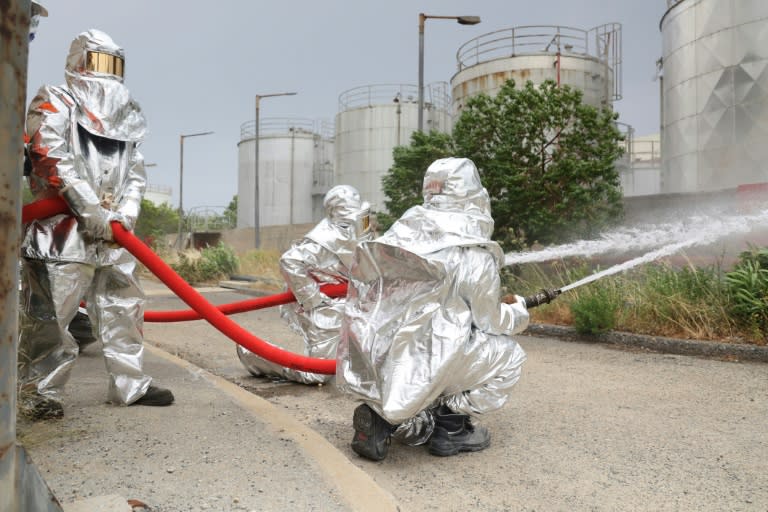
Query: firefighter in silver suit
[
  {"x": 322, "y": 256},
  {"x": 426, "y": 340},
  {"x": 84, "y": 139}
]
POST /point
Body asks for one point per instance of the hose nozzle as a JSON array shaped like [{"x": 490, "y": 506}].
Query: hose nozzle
[{"x": 545, "y": 296}]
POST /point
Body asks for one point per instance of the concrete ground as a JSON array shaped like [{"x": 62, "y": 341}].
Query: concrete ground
[{"x": 588, "y": 427}]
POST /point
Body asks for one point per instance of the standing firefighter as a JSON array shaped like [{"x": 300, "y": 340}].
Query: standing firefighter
[
  {"x": 426, "y": 337},
  {"x": 322, "y": 256},
  {"x": 84, "y": 139}
]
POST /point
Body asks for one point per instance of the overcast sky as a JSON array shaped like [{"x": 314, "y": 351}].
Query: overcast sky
[{"x": 197, "y": 66}]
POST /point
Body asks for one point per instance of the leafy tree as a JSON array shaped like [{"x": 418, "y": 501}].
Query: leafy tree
[
  {"x": 155, "y": 221},
  {"x": 230, "y": 214},
  {"x": 547, "y": 160},
  {"x": 402, "y": 184}
]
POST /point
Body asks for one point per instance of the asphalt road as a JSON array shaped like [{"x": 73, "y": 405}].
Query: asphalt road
[{"x": 588, "y": 427}]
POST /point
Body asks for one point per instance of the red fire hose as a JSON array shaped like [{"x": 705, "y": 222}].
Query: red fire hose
[
  {"x": 278, "y": 299},
  {"x": 49, "y": 207}
]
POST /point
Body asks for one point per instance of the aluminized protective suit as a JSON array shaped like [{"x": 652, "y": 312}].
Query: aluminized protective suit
[
  {"x": 84, "y": 147},
  {"x": 321, "y": 257},
  {"x": 424, "y": 325}
]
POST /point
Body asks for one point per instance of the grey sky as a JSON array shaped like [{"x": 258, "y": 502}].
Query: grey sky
[{"x": 196, "y": 66}]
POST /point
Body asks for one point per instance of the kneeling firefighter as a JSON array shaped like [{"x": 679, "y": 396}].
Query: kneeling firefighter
[
  {"x": 321, "y": 257},
  {"x": 426, "y": 340}
]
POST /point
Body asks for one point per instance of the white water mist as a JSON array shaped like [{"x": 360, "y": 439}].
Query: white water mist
[
  {"x": 645, "y": 258},
  {"x": 672, "y": 236}
]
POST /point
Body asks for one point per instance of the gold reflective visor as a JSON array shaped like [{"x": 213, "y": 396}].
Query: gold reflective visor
[
  {"x": 366, "y": 222},
  {"x": 98, "y": 62}
]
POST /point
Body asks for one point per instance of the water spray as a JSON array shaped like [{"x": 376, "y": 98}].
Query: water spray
[
  {"x": 545, "y": 296},
  {"x": 700, "y": 230}
]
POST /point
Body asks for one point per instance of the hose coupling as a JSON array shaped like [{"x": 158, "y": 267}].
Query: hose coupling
[{"x": 545, "y": 296}]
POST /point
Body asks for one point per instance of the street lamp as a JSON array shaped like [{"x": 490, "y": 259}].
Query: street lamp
[
  {"x": 256, "y": 226},
  {"x": 461, "y": 20},
  {"x": 181, "y": 182}
]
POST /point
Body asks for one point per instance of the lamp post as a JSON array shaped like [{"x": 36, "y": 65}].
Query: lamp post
[
  {"x": 181, "y": 182},
  {"x": 461, "y": 20},
  {"x": 256, "y": 226}
]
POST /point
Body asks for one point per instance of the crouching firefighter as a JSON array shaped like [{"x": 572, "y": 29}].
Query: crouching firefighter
[{"x": 426, "y": 340}]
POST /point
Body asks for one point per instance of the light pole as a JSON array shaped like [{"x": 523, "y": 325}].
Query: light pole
[
  {"x": 256, "y": 226},
  {"x": 461, "y": 20},
  {"x": 181, "y": 182}
]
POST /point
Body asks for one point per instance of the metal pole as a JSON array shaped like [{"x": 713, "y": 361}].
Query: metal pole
[
  {"x": 13, "y": 52},
  {"x": 181, "y": 183},
  {"x": 21, "y": 486},
  {"x": 422, "y": 19},
  {"x": 462, "y": 20},
  {"x": 181, "y": 191},
  {"x": 293, "y": 152},
  {"x": 256, "y": 202}
]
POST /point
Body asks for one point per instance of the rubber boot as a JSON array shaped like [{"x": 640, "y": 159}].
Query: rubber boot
[
  {"x": 80, "y": 328},
  {"x": 455, "y": 433},
  {"x": 155, "y": 396},
  {"x": 372, "y": 434}
]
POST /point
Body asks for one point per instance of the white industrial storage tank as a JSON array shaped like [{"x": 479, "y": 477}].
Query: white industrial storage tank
[
  {"x": 294, "y": 168},
  {"x": 714, "y": 95},
  {"x": 588, "y": 60},
  {"x": 373, "y": 120},
  {"x": 158, "y": 194}
]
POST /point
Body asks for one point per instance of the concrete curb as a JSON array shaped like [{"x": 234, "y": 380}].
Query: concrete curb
[
  {"x": 733, "y": 351},
  {"x": 243, "y": 287},
  {"x": 354, "y": 486}
]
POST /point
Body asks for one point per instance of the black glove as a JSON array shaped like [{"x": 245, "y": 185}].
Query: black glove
[{"x": 543, "y": 297}]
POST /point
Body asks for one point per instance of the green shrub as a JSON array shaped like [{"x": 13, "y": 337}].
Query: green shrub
[
  {"x": 748, "y": 287},
  {"x": 595, "y": 311},
  {"x": 210, "y": 264}
]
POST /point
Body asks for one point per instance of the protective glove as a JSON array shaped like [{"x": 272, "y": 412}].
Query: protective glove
[{"x": 94, "y": 218}]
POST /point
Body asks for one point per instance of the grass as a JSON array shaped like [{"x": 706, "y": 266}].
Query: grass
[
  {"x": 656, "y": 299},
  {"x": 264, "y": 266}
]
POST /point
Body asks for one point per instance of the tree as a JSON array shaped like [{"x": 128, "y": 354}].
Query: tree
[
  {"x": 155, "y": 221},
  {"x": 230, "y": 214},
  {"x": 402, "y": 184},
  {"x": 547, "y": 160}
]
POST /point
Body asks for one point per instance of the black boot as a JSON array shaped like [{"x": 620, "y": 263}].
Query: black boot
[
  {"x": 155, "y": 396},
  {"x": 372, "y": 433},
  {"x": 81, "y": 329},
  {"x": 455, "y": 433}
]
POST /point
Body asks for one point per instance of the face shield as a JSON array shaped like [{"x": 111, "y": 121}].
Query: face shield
[
  {"x": 100, "y": 63},
  {"x": 94, "y": 73},
  {"x": 93, "y": 54},
  {"x": 345, "y": 210},
  {"x": 362, "y": 222}
]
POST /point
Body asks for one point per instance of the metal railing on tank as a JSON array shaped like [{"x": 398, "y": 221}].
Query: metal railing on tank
[
  {"x": 436, "y": 94},
  {"x": 279, "y": 125},
  {"x": 602, "y": 43}
]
